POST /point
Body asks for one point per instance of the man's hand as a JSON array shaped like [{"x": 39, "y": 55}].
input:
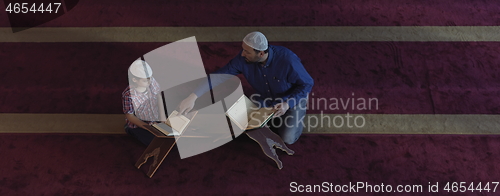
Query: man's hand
[
  {"x": 281, "y": 108},
  {"x": 187, "y": 104}
]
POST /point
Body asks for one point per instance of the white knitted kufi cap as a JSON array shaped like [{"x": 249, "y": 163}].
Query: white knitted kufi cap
[
  {"x": 141, "y": 69},
  {"x": 256, "y": 40}
]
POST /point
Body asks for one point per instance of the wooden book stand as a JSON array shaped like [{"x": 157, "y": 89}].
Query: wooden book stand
[{"x": 162, "y": 145}]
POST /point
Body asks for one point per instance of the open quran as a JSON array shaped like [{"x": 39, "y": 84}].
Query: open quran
[
  {"x": 247, "y": 116},
  {"x": 176, "y": 123}
]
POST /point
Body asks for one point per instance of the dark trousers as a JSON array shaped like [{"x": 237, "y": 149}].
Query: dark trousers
[
  {"x": 143, "y": 135},
  {"x": 290, "y": 125}
]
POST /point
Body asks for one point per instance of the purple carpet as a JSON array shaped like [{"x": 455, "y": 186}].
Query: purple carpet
[
  {"x": 95, "y": 13},
  {"x": 82, "y": 164},
  {"x": 405, "y": 77}
]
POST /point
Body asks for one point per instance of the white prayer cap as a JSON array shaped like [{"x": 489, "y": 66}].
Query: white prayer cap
[
  {"x": 140, "y": 69},
  {"x": 256, "y": 40}
]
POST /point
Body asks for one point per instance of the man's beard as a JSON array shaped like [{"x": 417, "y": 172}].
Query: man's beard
[{"x": 251, "y": 62}]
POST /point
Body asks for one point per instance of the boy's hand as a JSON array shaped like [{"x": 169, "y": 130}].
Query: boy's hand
[
  {"x": 133, "y": 119},
  {"x": 281, "y": 108},
  {"x": 187, "y": 104}
]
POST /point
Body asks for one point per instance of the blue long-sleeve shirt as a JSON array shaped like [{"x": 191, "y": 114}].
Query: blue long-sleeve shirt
[{"x": 282, "y": 78}]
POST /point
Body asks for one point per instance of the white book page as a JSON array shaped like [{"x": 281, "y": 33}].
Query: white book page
[
  {"x": 238, "y": 113},
  {"x": 178, "y": 123}
]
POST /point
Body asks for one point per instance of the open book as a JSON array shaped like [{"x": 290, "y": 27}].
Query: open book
[
  {"x": 177, "y": 124},
  {"x": 247, "y": 116}
]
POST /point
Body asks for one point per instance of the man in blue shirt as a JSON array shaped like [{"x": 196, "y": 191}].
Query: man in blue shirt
[{"x": 279, "y": 79}]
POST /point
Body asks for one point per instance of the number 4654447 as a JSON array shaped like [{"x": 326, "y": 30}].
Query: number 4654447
[{"x": 24, "y": 8}]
